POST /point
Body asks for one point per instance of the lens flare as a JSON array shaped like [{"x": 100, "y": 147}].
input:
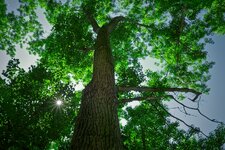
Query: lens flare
[{"x": 59, "y": 102}]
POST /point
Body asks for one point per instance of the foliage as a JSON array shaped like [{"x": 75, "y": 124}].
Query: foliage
[
  {"x": 29, "y": 116},
  {"x": 18, "y": 27},
  {"x": 148, "y": 130}
]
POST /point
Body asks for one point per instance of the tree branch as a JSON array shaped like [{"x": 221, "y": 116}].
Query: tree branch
[
  {"x": 190, "y": 126},
  {"x": 92, "y": 21},
  {"x": 149, "y": 89},
  {"x": 150, "y": 26},
  {"x": 171, "y": 96},
  {"x": 86, "y": 49},
  {"x": 113, "y": 23},
  {"x": 137, "y": 99},
  {"x": 193, "y": 108}
]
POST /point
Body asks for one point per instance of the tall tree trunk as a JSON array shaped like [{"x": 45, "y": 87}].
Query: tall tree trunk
[{"x": 97, "y": 124}]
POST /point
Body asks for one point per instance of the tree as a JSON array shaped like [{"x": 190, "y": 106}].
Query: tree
[
  {"x": 142, "y": 123},
  {"x": 98, "y": 40},
  {"x": 29, "y": 117}
]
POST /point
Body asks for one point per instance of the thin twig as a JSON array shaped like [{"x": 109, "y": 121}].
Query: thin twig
[
  {"x": 193, "y": 108},
  {"x": 180, "y": 119},
  {"x": 162, "y": 115}
]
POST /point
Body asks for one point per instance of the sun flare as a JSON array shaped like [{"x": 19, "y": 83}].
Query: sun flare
[{"x": 59, "y": 102}]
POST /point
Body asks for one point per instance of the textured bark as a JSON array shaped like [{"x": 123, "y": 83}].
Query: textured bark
[{"x": 97, "y": 124}]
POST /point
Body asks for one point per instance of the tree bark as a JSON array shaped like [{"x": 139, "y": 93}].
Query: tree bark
[{"x": 97, "y": 124}]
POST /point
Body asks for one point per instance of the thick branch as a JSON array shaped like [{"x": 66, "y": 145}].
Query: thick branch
[
  {"x": 149, "y": 89},
  {"x": 92, "y": 21},
  {"x": 113, "y": 23}
]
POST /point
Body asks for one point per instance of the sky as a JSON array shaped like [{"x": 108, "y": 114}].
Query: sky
[{"x": 212, "y": 105}]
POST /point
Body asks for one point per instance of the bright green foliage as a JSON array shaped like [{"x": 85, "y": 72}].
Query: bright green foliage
[
  {"x": 130, "y": 75},
  {"x": 215, "y": 16},
  {"x": 174, "y": 33},
  {"x": 15, "y": 28},
  {"x": 171, "y": 33}
]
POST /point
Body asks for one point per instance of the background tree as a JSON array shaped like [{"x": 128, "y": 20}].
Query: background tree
[
  {"x": 30, "y": 118},
  {"x": 147, "y": 130},
  {"x": 111, "y": 37}
]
